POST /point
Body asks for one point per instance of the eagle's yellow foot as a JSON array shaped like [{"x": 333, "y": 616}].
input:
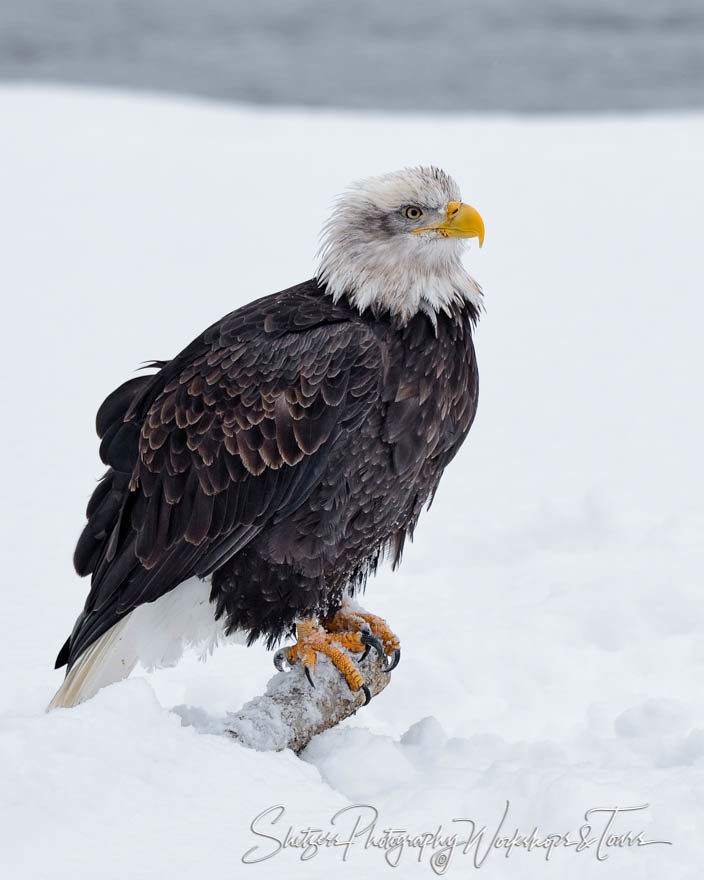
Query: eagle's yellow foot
[
  {"x": 352, "y": 629},
  {"x": 375, "y": 632},
  {"x": 312, "y": 639}
]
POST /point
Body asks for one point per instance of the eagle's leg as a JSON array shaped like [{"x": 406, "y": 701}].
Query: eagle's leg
[
  {"x": 313, "y": 639},
  {"x": 351, "y": 618}
]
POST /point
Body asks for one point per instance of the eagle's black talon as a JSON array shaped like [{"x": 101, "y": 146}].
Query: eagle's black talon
[
  {"x": 367, "y": 694},
  {"x": 280, "y": 660},
  {"x": 309, "y": 676},
  {"x": 395, "y": 660},
  {"x": 365, "y": 630},
  {"x": 371, "y": 641}
]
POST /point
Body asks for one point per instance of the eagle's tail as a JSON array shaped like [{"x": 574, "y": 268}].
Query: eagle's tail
[
  {"x": 104, "y": 662},
  {"x": 154, "y": 634}
]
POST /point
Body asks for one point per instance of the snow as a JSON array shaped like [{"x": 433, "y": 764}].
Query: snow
[{"x": 549, "y": 610}]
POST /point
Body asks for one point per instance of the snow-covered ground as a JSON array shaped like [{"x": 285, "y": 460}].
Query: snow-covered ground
[{"x": 550, "y": 609}]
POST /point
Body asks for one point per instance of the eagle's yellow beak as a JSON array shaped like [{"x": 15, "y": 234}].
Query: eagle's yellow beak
[{"x": 462, "y": 222}]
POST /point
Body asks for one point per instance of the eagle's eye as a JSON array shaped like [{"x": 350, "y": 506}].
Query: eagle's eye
[{"x": 412, "y": 212}]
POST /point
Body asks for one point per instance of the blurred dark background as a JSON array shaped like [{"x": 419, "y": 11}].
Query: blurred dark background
[{"x": 448, "y": 55}]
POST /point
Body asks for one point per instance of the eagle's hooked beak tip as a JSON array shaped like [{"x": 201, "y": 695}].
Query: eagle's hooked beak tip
[{"x": 464, "y": 221}]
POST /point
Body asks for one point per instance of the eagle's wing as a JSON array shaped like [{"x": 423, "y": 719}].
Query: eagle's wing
[{"x": 232, "y": 434}]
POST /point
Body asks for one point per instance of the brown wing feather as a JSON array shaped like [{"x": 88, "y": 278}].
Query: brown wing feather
[{"x": 232, "y": 434}]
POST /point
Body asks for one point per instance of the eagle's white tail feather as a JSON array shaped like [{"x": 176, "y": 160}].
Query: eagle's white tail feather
[
  {"x": 100, "y": 664},
  {"x": 154, "y": 634}
]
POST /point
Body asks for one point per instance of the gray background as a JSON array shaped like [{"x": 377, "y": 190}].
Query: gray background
[{"x": 525, "y": 55}]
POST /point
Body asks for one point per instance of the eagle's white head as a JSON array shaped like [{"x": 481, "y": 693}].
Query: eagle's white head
[{"x": 395, "y": 243}]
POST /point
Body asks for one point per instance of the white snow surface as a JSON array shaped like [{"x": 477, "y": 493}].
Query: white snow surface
[{"x": 550, "y": 609}]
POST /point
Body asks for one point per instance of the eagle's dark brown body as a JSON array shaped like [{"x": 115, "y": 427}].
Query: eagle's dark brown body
[{"x": 281, "y": 453}]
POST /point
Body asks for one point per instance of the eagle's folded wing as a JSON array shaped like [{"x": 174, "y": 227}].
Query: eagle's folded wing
[{"x": 232, "y": 434}]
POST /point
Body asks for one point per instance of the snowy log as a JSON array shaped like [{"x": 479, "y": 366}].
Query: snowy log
[{"x": 291, "y": 712}]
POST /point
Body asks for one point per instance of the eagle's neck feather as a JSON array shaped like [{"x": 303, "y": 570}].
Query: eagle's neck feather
[{"x": 399, "y": 277}]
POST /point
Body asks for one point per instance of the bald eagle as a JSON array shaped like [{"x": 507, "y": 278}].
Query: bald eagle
[{"x": 255, "y": 480}]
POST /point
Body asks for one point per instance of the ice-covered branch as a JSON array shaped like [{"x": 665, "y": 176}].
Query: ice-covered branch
[{"x": 291, "y": 712}]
